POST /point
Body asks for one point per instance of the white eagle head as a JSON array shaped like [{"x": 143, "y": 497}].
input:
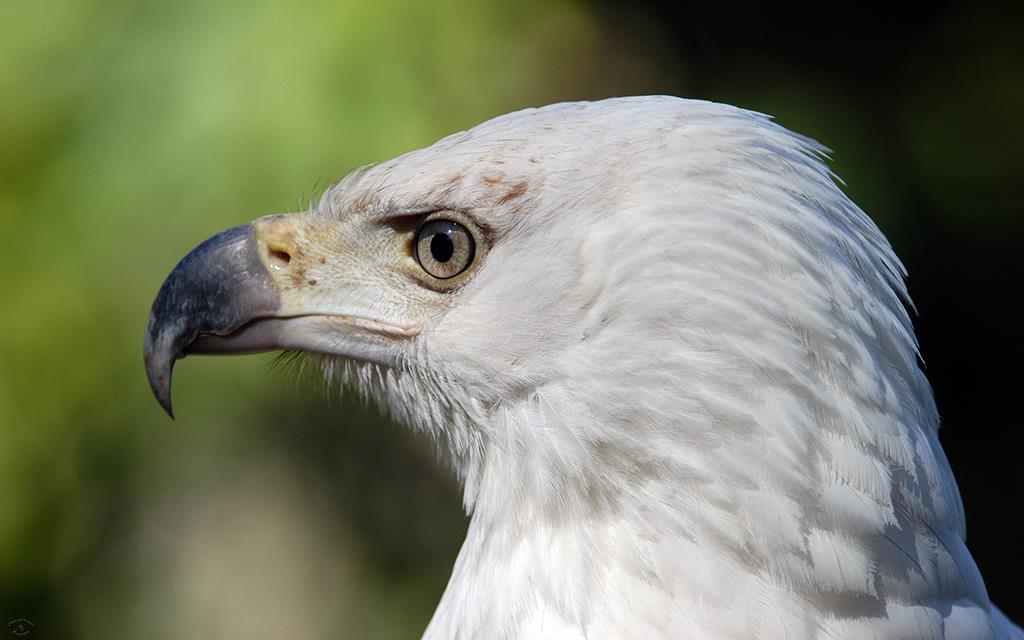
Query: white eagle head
[{"x": 669, "y": 358}]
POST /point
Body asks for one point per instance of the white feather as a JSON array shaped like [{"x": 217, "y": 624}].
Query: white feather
[{"x": 681, "y": 391}]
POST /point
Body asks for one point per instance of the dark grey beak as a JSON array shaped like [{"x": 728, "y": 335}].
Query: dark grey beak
[{"x": 216, "y": 290}]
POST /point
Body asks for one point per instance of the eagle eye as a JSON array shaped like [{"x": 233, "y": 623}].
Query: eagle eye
[{"x": 444, "y": 248}]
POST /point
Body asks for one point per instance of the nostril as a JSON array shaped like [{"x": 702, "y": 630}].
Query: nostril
[{"x": 279, "y": 259}]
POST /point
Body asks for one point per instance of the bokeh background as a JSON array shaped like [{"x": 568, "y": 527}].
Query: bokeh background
[{"x": 274, "y": 508}]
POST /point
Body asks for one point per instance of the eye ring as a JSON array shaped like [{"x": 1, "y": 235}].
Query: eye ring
[{"x": 444, "y": 248}]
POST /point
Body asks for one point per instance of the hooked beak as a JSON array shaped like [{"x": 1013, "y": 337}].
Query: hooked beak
[
  {"x": 222, "y": 298},
  {"x": 216, "y": 289}
]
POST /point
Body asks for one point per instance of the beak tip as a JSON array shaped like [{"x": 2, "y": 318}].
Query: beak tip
[
  {"x": 163, "y": 396},
  {"x": 159, "y": 372}
]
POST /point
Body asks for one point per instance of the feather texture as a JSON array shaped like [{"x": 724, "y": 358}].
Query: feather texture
[{"x": 682, "y": 391}]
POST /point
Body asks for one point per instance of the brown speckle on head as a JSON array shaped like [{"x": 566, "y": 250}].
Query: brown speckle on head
[
  {"x": 517, "y": 191},
  {"x": 445, "y": 189},
  {"x": 534, "y": 159},
  {"x": 490, "y": 181},
  {"x": 296, "y": 275}
]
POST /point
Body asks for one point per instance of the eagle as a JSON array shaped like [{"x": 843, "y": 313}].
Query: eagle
[{"x": 671, "y": 363}]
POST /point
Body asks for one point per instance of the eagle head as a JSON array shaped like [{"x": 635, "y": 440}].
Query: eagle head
[{"x": 670, "y": 360}]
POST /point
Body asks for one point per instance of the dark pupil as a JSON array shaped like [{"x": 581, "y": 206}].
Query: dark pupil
[{"x": 442, "y": 247}]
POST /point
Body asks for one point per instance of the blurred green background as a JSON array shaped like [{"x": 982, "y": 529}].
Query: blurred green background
[{"x": 274, "y": 508}]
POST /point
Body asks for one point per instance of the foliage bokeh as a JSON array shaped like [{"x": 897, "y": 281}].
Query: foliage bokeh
[{"x": 276, "y": 508}]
